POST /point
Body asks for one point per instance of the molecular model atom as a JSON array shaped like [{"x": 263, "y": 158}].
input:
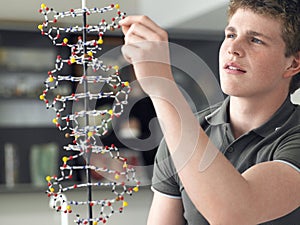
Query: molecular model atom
[{"x": 77, "y": 124}]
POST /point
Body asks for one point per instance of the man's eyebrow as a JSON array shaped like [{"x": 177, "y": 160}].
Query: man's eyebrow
[
  {"x": 232, "y": 29},
  {"x": 249, "y": 32},
  {"x": 257, "y": 34}
]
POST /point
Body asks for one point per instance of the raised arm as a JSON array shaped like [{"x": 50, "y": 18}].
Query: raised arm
[{"x": 217, "y": 189}]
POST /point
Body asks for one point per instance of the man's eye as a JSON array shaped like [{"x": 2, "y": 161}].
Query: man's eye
[
  {"x": 230, "y": 36},
  {"x": 256, "y": 40}
]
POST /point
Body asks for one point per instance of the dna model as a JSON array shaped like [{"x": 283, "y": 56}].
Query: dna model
[{"x": 78, "y": 123}]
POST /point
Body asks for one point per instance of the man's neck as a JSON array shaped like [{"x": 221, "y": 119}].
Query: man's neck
[{"x": 247, "y": 114}]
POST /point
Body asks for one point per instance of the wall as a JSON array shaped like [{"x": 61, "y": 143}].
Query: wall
[{"x": 296, "y": 97}]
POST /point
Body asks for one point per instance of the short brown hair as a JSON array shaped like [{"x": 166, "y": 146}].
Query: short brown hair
[{"x": 286, "y": 11}]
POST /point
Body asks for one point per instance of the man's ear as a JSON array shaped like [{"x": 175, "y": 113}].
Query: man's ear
[{"x": 294, "y": 66}]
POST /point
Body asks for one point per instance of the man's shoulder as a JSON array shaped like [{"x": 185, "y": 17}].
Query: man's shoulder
[{"x": 293, "y": 120}]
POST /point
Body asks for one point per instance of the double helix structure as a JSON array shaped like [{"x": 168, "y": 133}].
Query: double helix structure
[{"x": 77, "y": 124}]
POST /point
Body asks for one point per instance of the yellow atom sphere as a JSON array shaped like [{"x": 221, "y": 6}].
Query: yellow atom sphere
[
  {"x": 52, "y": 190},
  {"x": 100, "y": 41},
  {"x": 65, "y": 159},
  {"x": 42, "y": 97},
  {"x": 90, "y": 133},
  {"x": 50, "y": 79},
  {"x": 90, "y": 53},
  {"x": 117, "y": 6},
  {"x": 73, "y": 60},
  {"x": 95, "y": 223},
  {"x": 48, "y": 178},
  {"x": 40, "y": 27},
  {"x": 117, "y": 176},
  {"x": 43, "y": 6},
  {"x": 116, "y": 67},
  {"x": 110, "y": 112},
  {"x": 69, "y": 207},
  {"x": 54, "y": 120},
  {"x": 65, "y": 40},
  {"x": 126, "y": 83},
  {"x": 125, "y": 204},
  {"x": 136, "y": 189}
]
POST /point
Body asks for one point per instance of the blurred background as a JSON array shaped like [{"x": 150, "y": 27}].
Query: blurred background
[{"x": 31, "y": 147}]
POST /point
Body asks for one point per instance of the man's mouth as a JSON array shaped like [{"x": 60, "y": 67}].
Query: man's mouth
[{"x": 234, "y": 68}]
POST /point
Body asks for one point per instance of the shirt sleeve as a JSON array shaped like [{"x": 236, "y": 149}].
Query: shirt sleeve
[
  {"x": 165, "y": 179},
  {"x": 289, "y": 150}
]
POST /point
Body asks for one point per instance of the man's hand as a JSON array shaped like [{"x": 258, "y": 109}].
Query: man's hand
[{"x": 147, "y": 49}]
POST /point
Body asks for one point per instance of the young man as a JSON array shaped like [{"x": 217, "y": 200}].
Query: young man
[{"x": 241, "y": 165}]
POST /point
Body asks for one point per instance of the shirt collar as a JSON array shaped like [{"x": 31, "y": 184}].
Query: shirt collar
[
  {"x": 220, "y": 116},
  {"x": 277, "y": 120}
]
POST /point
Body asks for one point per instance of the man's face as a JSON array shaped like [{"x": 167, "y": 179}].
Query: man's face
[{"x": 252, "y": 60}]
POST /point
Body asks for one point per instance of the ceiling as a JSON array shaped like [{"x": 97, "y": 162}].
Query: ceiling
[{"x": 194, "y": 15}]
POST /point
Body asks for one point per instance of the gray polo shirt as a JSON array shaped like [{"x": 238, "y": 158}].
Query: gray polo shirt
[{"x": 277, "y": 139}]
